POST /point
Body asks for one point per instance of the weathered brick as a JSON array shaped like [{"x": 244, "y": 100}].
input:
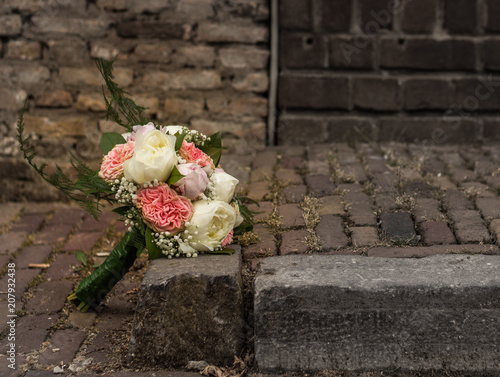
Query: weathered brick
[
  {"x": 462, "y": 175},
  {"x": 196, "y": 56},
  {"x": 291, "y": 216},
  {"x": 231, "y": 32},
  {"x": 244, "y": 57},
  {"x": 23, "y": 278},
  {"x": 90, "y": 102},
  {"x": 303, "y": 51},
  {"x": 56, "y": 98},
  {"x": 342, "y": 129},
  {"x": 419, "y": 16},
  {"x": 12, "y": 99},
  {"x": 67, "y": 341},
  {"x": 419, "y": 189},
  {"x": 67, "y": 24},
  {"x": 49, "y": 297},
  {"x": 295, "y": 194},
  {"x": 334, "y": 16},
  {"x": 484, "y": 167},
  {"x": 57, "y": 128},
  {"x": 11, "y": 242},
  {"x": 495, "y": 229},
  {"x": 295, "y": 15},
  {"x": 159, "y": 52},
  {"x": 318, "y": 166},
  {"x": 489, "y": 208},
  {"x": 461, "y": 16},
  {"x": 455, "y": 200},
  {"x": 195, "y": 9},
  {"x": 294, "y": 242},
  {"x": 348, "y": 52},
  {"x": 264, "y": 158},
  {"x": 62, "y": 267},
  {"x": 150, "y": 29},
  {"x": 384, "y": 182},
  {"x": 265, "y": 247},
  {"x": 330, "y": 231},
  {"x": 33, "y": 254},
  {"x": 360, "y": 208},
  {"x": 256, "y": 106},
  {"x": 476, "y": 94},
  {"x": 183, "y": 107},
  {"x": 32, "y": 331},
  {"x": 331, "y": 205},
  {"x": 469, "y": 226},
  {"x": 398, "y": 227},
  {"x": 436, "y": 130},
  {"x": 320, "y": 185},
  {"x": 436, "y": 233},
  {"x": 288, "y": 177},
  {"x": 68, "y": 52},
  {"x": 427, "y": 94},
  {"x": 294, "y": 130},
  {"x": 183, "y": 79},
  {"x": 253, "y": 82},
  {"x": 421, "y": 252},
  {"x": 313, "y": 91},
  {"x": 23, "y": 50},
  {"x": 376, "y": 14},
  {"x": 10, "y": 25},
  {"x": 493, "y": 16},
  {"x": 91, "y": 76},
  {"x": 24, "y": 74},
  {"x": 262, "y": 174},
  {"x": 428, "y": 54},
  {"x": 364, "y": 236},
  {"x": 426, "y": 209},
  {"x": 264, "y": 209},
  {"x": 477, "y": 190},
  {"x": 259, "y": 191},
  {"x": 376, "y": 93},
  {"x": 110, "y": 5}
]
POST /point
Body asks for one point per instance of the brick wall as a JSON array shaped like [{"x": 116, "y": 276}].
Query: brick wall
[
  {"x": 389, "y": 70},
  {"x": 201, "y": 63}
]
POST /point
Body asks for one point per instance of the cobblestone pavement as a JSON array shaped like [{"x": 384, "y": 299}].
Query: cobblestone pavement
[{"x": 389, "y": 200}]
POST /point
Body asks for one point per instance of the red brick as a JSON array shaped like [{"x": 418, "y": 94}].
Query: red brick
[
  {"x": 49, "y": 297},
  {"x": 419, "y": 16},
  {"x": 320, "y": 185},
  {"x": 364, "y": 236},
  {"x": 303, "y": 51},
  {"x": 319, "y": 92},
  {"x": 469, "y": 226},
  {"x": 294, "y": 194},
  {"x": 254, "y": 263},
  {"x": 294, "y": 242},
  {"x": 380, "y": 94},
  {"x": 100, "y": 348},
  {"x": 428, "y": 54},
  {"x": 330, "y": 231},
  {"x": 334, "y": 16},
  {"x": 33, "y": 254},
  {"x": 81, "y": 241},
  {"x": 461, "y": 16},
  {"x": 62, "y": 267},
  {"x": 436, "y": 233},
  {"x": 455, "y": 200},
  {"x": 68, "y": 342},
  {"x": 420, "y": 252}
]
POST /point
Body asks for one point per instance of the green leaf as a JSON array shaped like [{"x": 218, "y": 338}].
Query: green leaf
[
  {"x": 213, "y": 148},
  {"x": 175, "y": 176},
  {"x": 225, "y": 250},
  {"x": 179, "y": 139},
  {"x": 122, "y": 211},
  {"x": 81, "y": 257},
  {"x": 154, "y": 251},
  {"x": 109, "y": 140}
]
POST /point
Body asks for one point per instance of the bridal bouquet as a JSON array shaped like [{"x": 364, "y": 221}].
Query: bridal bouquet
[{"x": 175, "y": 197}]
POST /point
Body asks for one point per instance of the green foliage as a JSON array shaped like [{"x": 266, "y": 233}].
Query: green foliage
[
  {"x": 174, "y": 176},
  {"x": 81, "y": 257},
  {"x": 88, "y": 191},
  {"x": 179, "y": 139},
  {"x": 120, "y": 108},
  {"x": 213, "y": 148},
  {"x": 109, "y": 140},
  {"x": 247, "y": 224}
]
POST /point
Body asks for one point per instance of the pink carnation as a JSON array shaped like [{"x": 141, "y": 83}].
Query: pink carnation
[
  {"x": 228, "y": 239},
  {"x": 112, "y": 164},
  {"x": 190, "y": 153},
  {"x": 162, "y": 209}
]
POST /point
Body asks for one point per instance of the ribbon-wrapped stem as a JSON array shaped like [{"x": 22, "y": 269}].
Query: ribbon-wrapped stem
[{"x": 94, "y": 288}]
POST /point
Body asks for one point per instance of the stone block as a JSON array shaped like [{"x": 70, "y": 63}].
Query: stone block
[
  {"x": 244, "y": 57},
  {"x": 23, "y": 50},
  {"x": 331, "y": 205},
  {"x": 426, "y": 209},
  {"x": 231, "y": 32},
  {"x": 56, "y": 98},
  {"x": 253, "y": 82},
  {"x": 455, "y": 200},
  {"x": 10, "y": 25},
  {"x": 183, "y": 79},
  {"x": 12, "y": 99},
  {"x": 159, "y": 52},
  {"x": 291, "y": 216},
  {"x": 359, "y": 314},
  {"x": 189, "y": 309},
  {"x": 151, "y": 29},
  {"x": 196, "y": 56}
]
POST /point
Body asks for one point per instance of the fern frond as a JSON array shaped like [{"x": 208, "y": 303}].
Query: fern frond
[
  {"x": 120, "y": 108},
  {"x": 89, "y": 189}
]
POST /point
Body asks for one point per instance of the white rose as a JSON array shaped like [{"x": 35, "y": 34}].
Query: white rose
[
  {"x": 239, "y": 218},
  {"x": 212, "y": 221},
  {"x": 154, "y": 157},
  {"x": 225, "y": 185},
  {"x": 172, "y": 130}
]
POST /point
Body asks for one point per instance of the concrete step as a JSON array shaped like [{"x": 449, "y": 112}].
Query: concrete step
[{"x": 356, "y": 313}]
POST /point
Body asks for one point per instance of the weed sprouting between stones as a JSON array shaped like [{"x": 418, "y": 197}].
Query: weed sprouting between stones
[{"x": 310, "y": 207}]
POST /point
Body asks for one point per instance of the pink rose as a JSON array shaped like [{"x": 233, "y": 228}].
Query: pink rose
[
  {"x": 190, "y": 153},
  {"x": 162, "y": 209},
  {"x": 112, "y": 164},
  {"x": 194, "y": 183},
  {"x": 228, "y": 239}
]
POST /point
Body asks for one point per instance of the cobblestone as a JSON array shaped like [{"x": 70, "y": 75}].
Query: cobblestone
[
  {"x": 398, "y": 227},
  {"x": 330, "y": 231},
  {"x": 63, "y": 346},
  {"x": 320, "y": 185},
  {"x": 331, "y": 205},
  {"x": 291, "y": 216},
  {"x": 469, "y": 226},
  {"x": 294, "y": 242},
  {"x": 489, "y": 208},
  {"x": 364, "y": 236},
  {"x": 426, "y": 209},
  {"x": 436, "y": 233},
  {"x": 295, "y": 194}
]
